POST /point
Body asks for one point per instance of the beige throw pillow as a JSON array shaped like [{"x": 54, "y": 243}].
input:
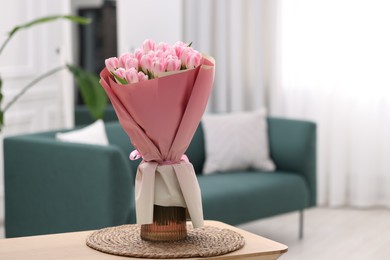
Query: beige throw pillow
[
  {"x": 236, "y": 141},
  {"x": 95, "y": 133}
]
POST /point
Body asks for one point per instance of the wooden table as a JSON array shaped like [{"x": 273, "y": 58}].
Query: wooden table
[{"x": 72, "y": 246}]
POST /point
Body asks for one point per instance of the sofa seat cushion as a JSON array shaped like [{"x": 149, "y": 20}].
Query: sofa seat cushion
[{"x": 238, "y": 194}]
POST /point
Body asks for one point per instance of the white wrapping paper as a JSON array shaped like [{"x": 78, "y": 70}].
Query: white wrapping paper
[{"x": 167, "y": 185}]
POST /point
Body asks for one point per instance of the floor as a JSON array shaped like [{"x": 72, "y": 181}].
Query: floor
[
  {"x": 2, "y": 231},
  {"x": 330, "y": 234}
]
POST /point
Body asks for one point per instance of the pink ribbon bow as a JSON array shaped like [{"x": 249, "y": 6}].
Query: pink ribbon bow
[{"x": 135, "y": 155}]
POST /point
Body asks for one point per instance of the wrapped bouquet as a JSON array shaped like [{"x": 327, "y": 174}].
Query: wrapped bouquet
[{"x": 159, "y": 93}]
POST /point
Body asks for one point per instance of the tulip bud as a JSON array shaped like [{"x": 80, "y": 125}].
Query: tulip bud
[
  {"x": 163, "y": 46},
  {"x": 158, "y": 66},
  {"x": 123, "y": 58},
  {"x": 170, "y": 52},
  {"x": 112, "y": 64},
  {"x": 159, "y": 54},
  {"x": 179, "y": 47},
  {"x": 146, "y": 63},
  {"x": 179, "y": 43},
  {"x": 172, "y": 63},
  {"x": 184, "y": 54},
  {"x": 193, "y": 59},
  {"x": 121, "y": 74},
  {"x": 148, "y": 45},
  {"x": 131, "y": 75},
  {"x": 131, "y": 63},
  {"x": 142, "y": 76},
  {"x": 138, "y": 54}
]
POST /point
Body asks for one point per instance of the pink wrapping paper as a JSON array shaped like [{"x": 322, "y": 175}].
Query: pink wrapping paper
[{"x": 161, "y": 116}]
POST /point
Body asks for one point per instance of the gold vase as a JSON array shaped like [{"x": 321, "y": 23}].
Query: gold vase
[{"x": 169, "y": 224}]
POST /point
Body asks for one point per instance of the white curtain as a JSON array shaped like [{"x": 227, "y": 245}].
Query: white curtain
[
  {"x": 231, "y": 32},
  {"x": 334, "y": 68}
]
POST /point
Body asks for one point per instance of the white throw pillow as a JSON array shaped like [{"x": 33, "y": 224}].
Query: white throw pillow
[
  {"x": 237, "y": 141},
  {"x": 93, "y": 134}
]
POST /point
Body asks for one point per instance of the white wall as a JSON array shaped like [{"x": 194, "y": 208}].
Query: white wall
[{"x": 154, "y": 19}]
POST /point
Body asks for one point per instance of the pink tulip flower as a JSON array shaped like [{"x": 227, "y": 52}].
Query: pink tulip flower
[
  {"x": 173, "y": 63},
  {"x": 146, "y": 63},
  {"x": 170, "y": 52},
  {"x": 193, "y": 59},
  {"x": 148, "y": 45},
  {"x": 180, "y": 43},
  {"x": 112, "y": 64},
  {"x": 158, "y": 66},
  {"x": 179, "y": 48},
  {"x": 158, "y": 53},
  {"x": 142, "y": 76},
  {"x": 120, "y": 73},
  {"x": 138, "y": 54},
  {"x": 184, "y": 54},
  {"x": 131, "y": 75},
  {"x": 131, "y": 63},
  {"x": 163, "y": 46},
  {"x": 123, "y": 58}
]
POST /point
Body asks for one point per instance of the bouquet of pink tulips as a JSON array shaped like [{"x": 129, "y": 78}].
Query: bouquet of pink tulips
[
  {"x": 152, "y": 61},
  {"x": 159, "y": 93}
]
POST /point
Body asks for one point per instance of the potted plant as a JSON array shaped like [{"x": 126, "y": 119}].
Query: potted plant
[{"x": 92, "y": 93}]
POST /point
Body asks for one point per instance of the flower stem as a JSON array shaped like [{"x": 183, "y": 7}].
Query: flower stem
[{"x": 29, "y": 85}]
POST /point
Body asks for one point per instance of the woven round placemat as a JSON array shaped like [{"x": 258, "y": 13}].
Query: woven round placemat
[{"x": 125, "y": 240}]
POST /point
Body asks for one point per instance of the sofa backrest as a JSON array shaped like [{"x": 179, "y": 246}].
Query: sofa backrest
[
  {"x": 195, "y": 152},
  {"x": 83, "y": 117},
  {"x": 117, "y": 136}
]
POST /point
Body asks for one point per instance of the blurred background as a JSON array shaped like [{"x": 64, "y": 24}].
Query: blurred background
[{"x": 323, "y": 61}]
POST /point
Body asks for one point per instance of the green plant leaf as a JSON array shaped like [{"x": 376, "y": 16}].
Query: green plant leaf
[
  {"x": 78, "y": 19},
  {"x": 1, "y": 100},
  {"x": 1, "y": 84},
  {"x": 75, "y": 19},
  {"x": 1, "y": 120},
  {"x": 91, "y": 91}
]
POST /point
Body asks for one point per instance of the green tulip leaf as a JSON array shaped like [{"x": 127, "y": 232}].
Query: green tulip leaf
[{"x": 121, "y": 81}]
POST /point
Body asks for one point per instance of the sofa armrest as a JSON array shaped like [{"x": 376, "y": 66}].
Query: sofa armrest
[
  {"x": 53, "y": 186},
  {"x": 293, "y": 148}
]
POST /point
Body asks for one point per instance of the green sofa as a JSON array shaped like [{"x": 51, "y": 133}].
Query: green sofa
[{"x": 53, "y": 186}]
